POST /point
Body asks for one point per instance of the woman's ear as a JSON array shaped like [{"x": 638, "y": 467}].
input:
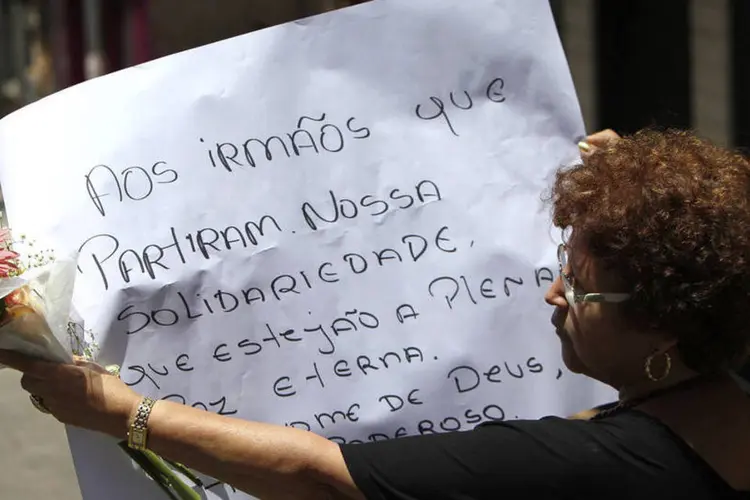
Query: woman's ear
[{"x": 663, "y": 344}]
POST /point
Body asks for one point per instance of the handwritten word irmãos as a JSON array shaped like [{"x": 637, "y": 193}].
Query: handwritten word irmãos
[{"x": 314, "y": 135}]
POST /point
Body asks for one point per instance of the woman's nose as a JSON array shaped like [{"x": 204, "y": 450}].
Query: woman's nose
[{"x": 555, "y": 295}]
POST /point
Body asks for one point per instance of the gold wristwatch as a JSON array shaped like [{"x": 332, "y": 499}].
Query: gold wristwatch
[{"x": 138, "y": 433}]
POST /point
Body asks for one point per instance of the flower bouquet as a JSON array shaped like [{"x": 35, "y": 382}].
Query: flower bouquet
[
  {"x": 35, "y": 297},
  {"x": 36, "y": 292}
]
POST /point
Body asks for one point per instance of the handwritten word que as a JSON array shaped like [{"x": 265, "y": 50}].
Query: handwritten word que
[{"x": 493, "y": 93}]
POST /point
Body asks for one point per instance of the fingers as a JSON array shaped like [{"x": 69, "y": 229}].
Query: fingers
[
  {"x": 24, "y": 363},
  {"x": 84, "y": 363},
  {"x": 598, "y": 140},
  {"x": 31, "y": 384},
  {"x": 602, "y": 137}
]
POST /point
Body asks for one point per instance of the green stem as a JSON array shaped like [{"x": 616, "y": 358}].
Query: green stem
[
  {"x": 149, "y": 470},
  {"x": 184, "y": 491},
  {"x": 185, "y": 472},
  {"x": 155, "y": 467}
]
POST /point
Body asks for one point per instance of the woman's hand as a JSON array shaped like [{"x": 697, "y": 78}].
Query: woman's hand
[
  {"x": 83, "y": 395},
  {"x": 597, "y": 140}
]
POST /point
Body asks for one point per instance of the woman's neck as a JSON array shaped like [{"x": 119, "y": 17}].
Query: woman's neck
[{"x": 643, "y": 387}]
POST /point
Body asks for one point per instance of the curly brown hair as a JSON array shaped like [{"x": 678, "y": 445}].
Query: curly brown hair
[{"x": 670, "y": 214}]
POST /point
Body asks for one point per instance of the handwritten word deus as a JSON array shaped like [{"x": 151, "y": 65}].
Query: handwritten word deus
[
  {"x": 493, "y": 92},
  {"x": 327, "y": 138},
  {"x": 134, "y": 183},
  {"x": 467, "y": 378}
]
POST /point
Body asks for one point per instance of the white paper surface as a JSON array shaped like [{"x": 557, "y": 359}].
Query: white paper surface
[{"x": 145, "y": 171}]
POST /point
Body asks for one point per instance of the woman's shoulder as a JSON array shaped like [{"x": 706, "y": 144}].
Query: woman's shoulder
[
  {"x": 618, "y": 456},
  {"x": 633, "y": 443}
]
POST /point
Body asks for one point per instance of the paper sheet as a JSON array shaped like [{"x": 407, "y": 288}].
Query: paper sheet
[{"x": 333, "y": 224}]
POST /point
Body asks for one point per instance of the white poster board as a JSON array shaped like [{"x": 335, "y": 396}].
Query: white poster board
[{"x": 333, "y": 224}]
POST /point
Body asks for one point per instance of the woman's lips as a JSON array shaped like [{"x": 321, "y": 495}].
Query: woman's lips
[{"x": 558, "y": 319}]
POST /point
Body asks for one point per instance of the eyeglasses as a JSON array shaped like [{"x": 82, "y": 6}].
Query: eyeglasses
[{"x": 575, "y": 298}]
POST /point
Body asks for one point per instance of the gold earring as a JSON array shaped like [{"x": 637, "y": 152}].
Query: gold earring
[{"x": 667, "y": 367}]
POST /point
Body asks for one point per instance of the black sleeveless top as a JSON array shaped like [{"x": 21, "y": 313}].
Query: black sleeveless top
[{"x": 628, "y": 455}]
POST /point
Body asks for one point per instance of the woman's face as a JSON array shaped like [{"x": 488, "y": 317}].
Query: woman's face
[{"x": 594, "y": 338}]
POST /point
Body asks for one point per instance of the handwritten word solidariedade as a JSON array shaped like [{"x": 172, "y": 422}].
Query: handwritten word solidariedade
[{"x": 114, "y": 264}]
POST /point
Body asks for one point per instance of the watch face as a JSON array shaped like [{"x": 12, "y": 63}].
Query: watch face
[{"x": 138, "y": 438}]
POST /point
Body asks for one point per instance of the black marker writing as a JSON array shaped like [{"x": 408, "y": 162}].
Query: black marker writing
[
  {"x": 313, "y": 135},
  {"x": 133, "y": 183},
  {"x": 462, "y": 101},
  {"x": 337, "y": 208}
]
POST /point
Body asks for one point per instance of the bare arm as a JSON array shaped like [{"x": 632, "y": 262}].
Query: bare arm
[{"x": 268, "y": 461}]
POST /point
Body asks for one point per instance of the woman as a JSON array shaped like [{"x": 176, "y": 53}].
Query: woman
[{"x": 653, "y": 299}]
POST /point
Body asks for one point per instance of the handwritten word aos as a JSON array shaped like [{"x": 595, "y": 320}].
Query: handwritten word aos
[
  {"x": 133, "y": 183},
  {"x": 315, "y": 135}
]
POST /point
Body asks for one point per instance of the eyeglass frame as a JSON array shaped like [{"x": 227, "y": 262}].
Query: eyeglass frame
[{"x": 577, "y": 298}]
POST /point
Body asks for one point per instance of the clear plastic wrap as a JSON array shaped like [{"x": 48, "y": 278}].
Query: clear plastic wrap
[{"x": 35, "y": 309}]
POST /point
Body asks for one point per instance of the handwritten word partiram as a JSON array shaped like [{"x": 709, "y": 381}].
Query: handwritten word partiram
[
  {"x": 104, "y": 250},
  {"x": 327, "y": 138}
]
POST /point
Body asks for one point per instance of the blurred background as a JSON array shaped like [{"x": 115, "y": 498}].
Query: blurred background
[{"x": 635, "y": 63}]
